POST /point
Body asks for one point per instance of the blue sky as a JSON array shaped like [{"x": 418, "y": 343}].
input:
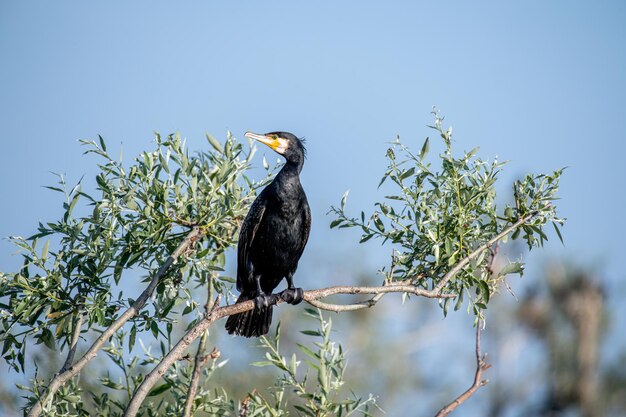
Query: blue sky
[{"x": 542, "y": 84}]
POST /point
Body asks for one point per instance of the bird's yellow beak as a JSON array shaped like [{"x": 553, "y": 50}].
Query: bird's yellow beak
[
  {"x": 277, "y": 144},
  {"x": 271, "y": 142}
]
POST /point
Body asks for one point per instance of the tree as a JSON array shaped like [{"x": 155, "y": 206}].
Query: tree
[{"x": 172, "y": 217}]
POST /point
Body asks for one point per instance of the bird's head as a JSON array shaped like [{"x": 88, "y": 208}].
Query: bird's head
[{"x": 284, "y": 143}]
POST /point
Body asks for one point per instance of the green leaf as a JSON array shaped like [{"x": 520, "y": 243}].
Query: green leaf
[
  {"x": 459, "y": 299},
  {"x": 160, "y": 389},
  {"x": 102, "y": 144},
  {"x": 409, "y": 172},
  {"x": 308, "y": 351},
  {"x": 539, "y": 231},
  {"x": 382, "y": 180},
  {"x": 448, "y": 245},
  {"x": 72, "y": 204},
  {"x": 48, "y": 339},
  {"x": 379, "y": 224},
  {"x": 558, "y": 232},
  {"x": 53, "y": 188},
  {"x": 119, "y": 265},
  {"x": 425, "y": 149},
  {"x": 512, "y": 268},
  {"x": 112, "y": 384},
  {"x": 10, "y": 339},
  {"x": 484, "y": 290},
  {"x": 101, "y": 180},
  {"x": 44, "y": 252},
  {"x": 343, "y": 199},
  {"x": 214, "y": 143},
  {"x": 365, "y": 238},
  {"x": 335, "y": 223},
  {"x": 154, "y": 327},
  {"x": 214, "y": 268},
  {"x": 472, "y": 152},
  {"x": 131, "y": 338},
  {"x": 311, "y": 332}
]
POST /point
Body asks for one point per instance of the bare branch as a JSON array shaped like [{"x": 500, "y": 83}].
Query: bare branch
[
  {"x": 340, "y": 308},
  {"x": 346, "y": 289},
  {"x": 481, "y": 366},
  {"x": 199, "y": 362},
  {"x": 65, "y": 375}
]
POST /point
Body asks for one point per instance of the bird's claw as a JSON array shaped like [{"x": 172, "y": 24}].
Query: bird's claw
[
  {"x": 293, "y": 296},
  {"x": 263, "y": 301}
]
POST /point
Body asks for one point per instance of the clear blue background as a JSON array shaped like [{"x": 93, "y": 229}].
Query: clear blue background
[{"x": 540, "y": 83}]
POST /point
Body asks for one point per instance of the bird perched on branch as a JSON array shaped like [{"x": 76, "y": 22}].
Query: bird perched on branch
[{"x": 272, "y": 239}]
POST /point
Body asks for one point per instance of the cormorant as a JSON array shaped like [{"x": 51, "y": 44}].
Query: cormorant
[{"x": 272, "y": 239}]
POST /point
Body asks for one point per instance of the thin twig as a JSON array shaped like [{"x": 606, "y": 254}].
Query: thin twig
[
  {"x": 481, "y": 366},
  {"x": 200, "y": 359},
  {"x": 340, "y": 308},
  {"x": 73, "y": 342},
  {"x": 245, "y": 407},
  {"x": 62, "y": 377},
  {"x": 494, "y": 254}
]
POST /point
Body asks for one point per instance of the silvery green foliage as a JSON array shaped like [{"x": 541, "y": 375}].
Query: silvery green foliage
[
  {"x": 74, "y": 270},
  {"x": 138, "y": 215},
  {"x": 315, "y": 390},
  {"x": 73, "y": 267},
  {"x": 438, "y": 215}
]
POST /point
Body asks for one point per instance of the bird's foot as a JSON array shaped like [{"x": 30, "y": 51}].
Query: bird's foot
[
  {"x": 293, "y": 296},
  {"x": 263, "y": 301}
]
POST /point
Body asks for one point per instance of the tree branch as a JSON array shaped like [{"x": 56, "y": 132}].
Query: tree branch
[
  {"x": 481, "y": 366},
  {"x": 219, "y": 312},
  {"x": 65, "y": 375},
  {"x": 311, "y": 296}
]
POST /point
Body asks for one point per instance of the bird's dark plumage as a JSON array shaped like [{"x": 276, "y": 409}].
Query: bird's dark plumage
[{"x": 272, "y": 238}]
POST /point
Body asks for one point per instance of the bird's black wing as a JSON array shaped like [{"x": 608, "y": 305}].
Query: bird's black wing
[
  {"x": 245, "y": 278},
  {"x": 306, "y": 225}
]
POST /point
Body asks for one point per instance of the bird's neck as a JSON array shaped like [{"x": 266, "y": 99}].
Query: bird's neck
[{"x": 292, "y": 167}]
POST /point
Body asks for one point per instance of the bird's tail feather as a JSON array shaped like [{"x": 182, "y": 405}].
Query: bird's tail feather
[{"x": 252, "y": 323}]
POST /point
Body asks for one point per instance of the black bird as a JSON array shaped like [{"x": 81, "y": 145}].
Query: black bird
[{"x": 272, "y": 239}]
